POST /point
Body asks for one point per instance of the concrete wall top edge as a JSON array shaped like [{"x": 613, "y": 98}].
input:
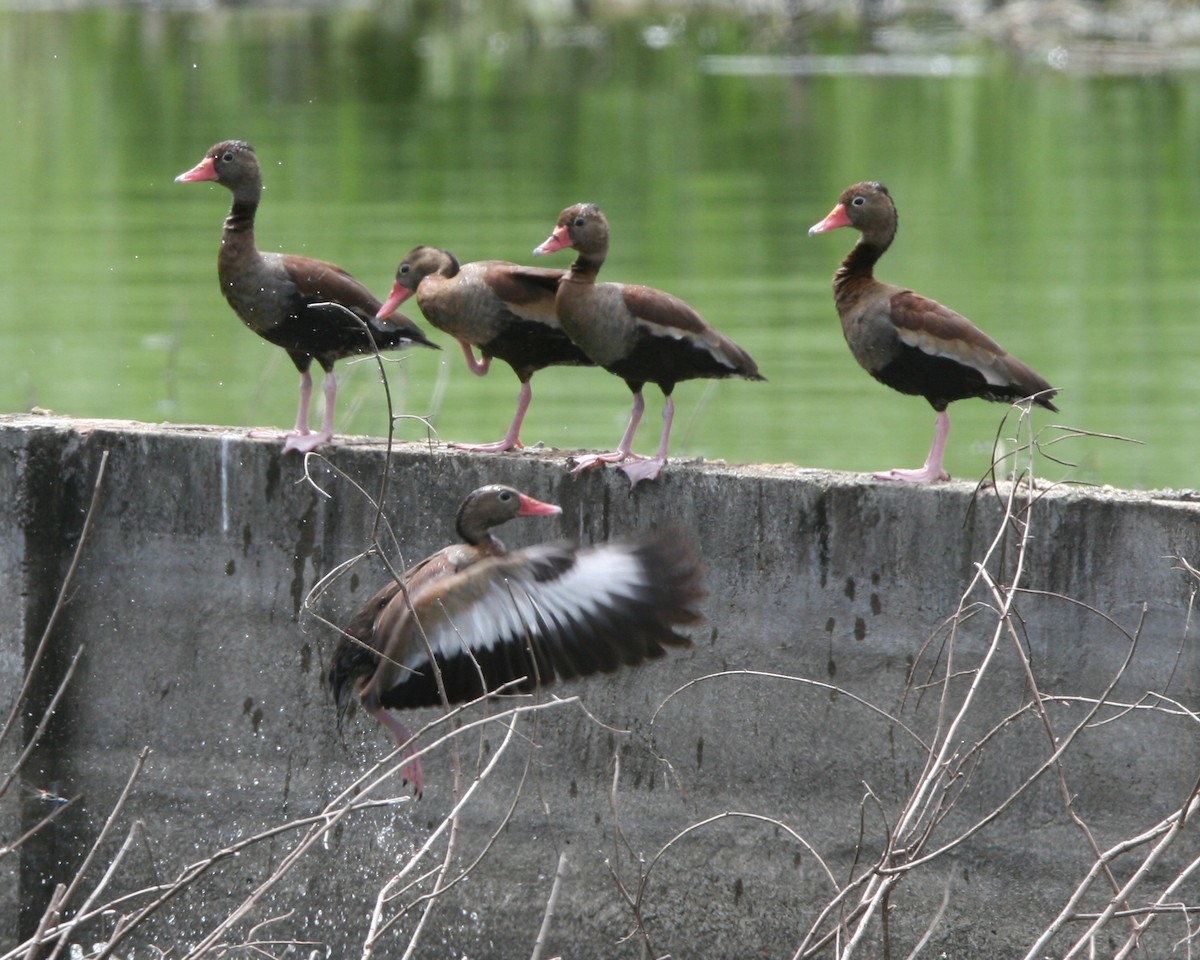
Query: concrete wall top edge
[{"x": 24, "y": 422}]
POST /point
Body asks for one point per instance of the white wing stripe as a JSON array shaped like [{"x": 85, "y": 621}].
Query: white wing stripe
[{"x": 516, "y": 606}]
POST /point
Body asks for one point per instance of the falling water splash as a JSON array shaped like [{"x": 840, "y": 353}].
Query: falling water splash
[{"x": 225, "y": 444}]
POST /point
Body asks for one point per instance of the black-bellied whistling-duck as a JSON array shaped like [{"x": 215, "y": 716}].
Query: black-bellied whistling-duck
[
  {"x": 309, "y": 307},
  {"x": 910, "y": 343},
  {"x": 505, "y": 310},
  {"x": 640, "y": 334},
  {"x": 493, "y": 617}
]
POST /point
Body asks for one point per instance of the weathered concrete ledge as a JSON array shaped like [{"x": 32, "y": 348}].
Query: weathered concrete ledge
[{"x": 189, "y": 608}]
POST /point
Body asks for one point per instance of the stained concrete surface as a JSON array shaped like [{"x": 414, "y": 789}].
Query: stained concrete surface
[{"x": 831, "y": 599}]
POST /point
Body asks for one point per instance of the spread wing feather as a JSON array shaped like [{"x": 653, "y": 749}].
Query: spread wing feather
[{"x": 550, "y": 612}]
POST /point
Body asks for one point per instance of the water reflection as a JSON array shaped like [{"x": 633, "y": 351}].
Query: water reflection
[
  {"x": 1056, "y": 210},
  {"x": 859, "y": 65}
]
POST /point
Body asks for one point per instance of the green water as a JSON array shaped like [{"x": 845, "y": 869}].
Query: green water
[{"x": 1057, "y": 210}]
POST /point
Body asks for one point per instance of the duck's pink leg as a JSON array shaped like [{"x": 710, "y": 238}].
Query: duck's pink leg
[
  {"x": 512, "y": 438},
  {"x": 625, "y": 450},
  {"x": 477, "y": 367},
  {"x": 301, "y": 439},
  {"x": 933, "y": 463},
  {"x": 301, "y": 428},
  {"x": 411, "y": 771},
  {"x": 650, "y": 468}
]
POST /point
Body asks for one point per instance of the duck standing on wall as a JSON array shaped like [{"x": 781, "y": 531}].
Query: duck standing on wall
[
  {"x": 491, "y": 617},
  {"x": 910, "y": 343},
  {"x": 313, "y": 309},
  {"x": 505, "y": 310},
  {"x": 640, "y": 334}
]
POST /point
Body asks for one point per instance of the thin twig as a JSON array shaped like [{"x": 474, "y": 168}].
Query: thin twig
[{"x": 560, "y": 874}]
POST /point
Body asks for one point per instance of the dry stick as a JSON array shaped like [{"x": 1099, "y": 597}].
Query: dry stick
[
  {"x": 1177, "y": 822},
  {"x": 937, "y": 762},
  {"x": 914, "y": 810},
  {"x": 387, "y": 392},
  {"x": 841, "y": 893},
  {"x": 390, "y": 891},
  {"x": 95, "y": 894},
  {"x": 551, "y": 905},
  {"x": 633, "y": 902},
  {"x": 439, "y": 876},
  {"x": 491, "y": 841},
  {"x": 1162, "y": 908},
  {"x": 1113, "y": 853},
  {"x": 808, "y": 947},
  {"x": 324, "y": 582},
  {"x": 1187, "y": 625},
  {"x": 378, "y": 925},
  {"x": 452, "y": 837},
  {"x": 116, "y": 811},
  {"x": 43, "y": 723},
  {"x": 881, "y": 877},
  {"x": 937, "y": 918},
  {"x": 52, "y": 911},
  {"x": 846, "y": 917},
  {"x": 41, "y": 824},
  {"x": 804, "y": 681},
  {"x": 1124, "y": 708},
  {"x": 387, "y": 452},
  {"x": 1064, "y": 743},
  {"x": 403, "y": 586},
  {"x": 962, "y": 615},
  {"x": 744, "y": 815},
  {"x": 859, "y": 845},
  {"x": 1159, "y": 907},
  {"x": 456, "y": 755},
  {"x": 912, "y": 814},
  {"x": 1179, "y": 711},
  {"x": 59, "y": 604},
  {"x": 838, "y": 904},
  {"x": 966, "y": 611},
  {"x": 321, "y": 825},
  {"x": 189, "y": 875},
  {"x": 379, "y": 522},
  {"x": 63, "y": 893},
  {"x": 1048, "y": 726},
  {"x": 441, "y": 886},
  {"x": 256, "y": 944},
  {"x": 1095, "y": 611}
]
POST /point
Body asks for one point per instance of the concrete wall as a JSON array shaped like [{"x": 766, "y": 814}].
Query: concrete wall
[{"x": 190, "y": 609}]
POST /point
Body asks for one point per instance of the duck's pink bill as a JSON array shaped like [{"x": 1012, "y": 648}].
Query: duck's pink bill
[
  {"x": 837, "y": 218},
  {"x": 398, "y": 295},
  {"x": 558, "y": 240},
  {"x": 206, "y": 169},
  {"x": 535, "y": 508}
]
